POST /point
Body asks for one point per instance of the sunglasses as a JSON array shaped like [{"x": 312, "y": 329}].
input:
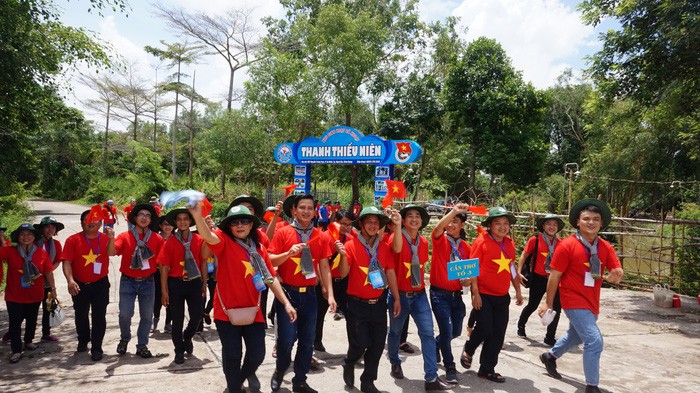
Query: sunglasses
[{"x": 243, "y": 221}]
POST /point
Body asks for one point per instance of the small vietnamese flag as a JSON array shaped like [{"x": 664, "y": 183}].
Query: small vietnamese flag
[
  {"x": 289, "y": 189},
  {"x": 334, "y": 230},
  {"x": 396, "y": 188},
  {"x": 95, "y": 214},
  {"x": 481, "y": 209},
  {"x": 481, "y": 231},
  {"x": 268, "y": 217},
  {"x": 387, "y": 201},
  {"x": 206, "y": 207}
]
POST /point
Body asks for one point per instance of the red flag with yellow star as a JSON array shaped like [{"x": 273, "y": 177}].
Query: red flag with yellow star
[
  {"x": 396, "y": 188},
  {"x": 95, "y": 214},
  {"x": 387, "y": 201},
  {"x": 289, "y": 189}
]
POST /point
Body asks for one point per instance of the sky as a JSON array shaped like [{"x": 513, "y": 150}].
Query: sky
[{"x": 542, "y": 37}]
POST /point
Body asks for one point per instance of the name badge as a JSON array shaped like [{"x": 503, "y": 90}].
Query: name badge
[
  {"x": 258, "y": 281},
  {"x": 210, "y": 267},
  {"x": 146, "y": 265},
  {"x": 513, "y": 271},
  {"x": 588, "y": 280},
  {"x": 310, "y": 275},
  {"x": 97, "y": 267},
  {"x": 375, "y": 278}
]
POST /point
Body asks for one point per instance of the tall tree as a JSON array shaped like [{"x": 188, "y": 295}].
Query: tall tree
[
  {"x": 103, "y": 104},
  {"x": 230, "y": 35},
  {"x": 132, "y": 97},
  {"x": 497, "y": 113},
  {"x": 177, "y": 54}
]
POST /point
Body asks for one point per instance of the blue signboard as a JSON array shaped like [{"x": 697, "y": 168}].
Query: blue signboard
[
  {"x": 458, "y": 270},
  {"x": 302, "y": 179},
  {"x": 346, "y": 145}
]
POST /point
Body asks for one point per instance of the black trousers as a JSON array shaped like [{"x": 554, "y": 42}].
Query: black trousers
[
  {"x": 93, "y": 296},
  {"x": 490, "y": 330},
  {"x": 19, "y": 312},
  {"x": 181, "y": 292},
  {"x": 538, "y": 288},
  {"x": 45, "y": 314},
  {"x": 366, "y": 326},
  {"x": 237, "y": 366}
]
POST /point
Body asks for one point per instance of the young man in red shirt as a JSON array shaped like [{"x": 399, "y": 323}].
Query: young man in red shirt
[
  {"x": 48, "y": 227},
  {"x": 496, "y": 253},
  {"x": 578, "y": 269},
  {"x": 367, "y": 257},
  {"x": 446, "y": 295},
  {"x": 127, "y": 209},
  {"x": 546, "y": 242},
  {"x": 181, "y": 280},
  {"x": 300, "y": 252},
  {"x": 86, "y": 267},
  {"x": 411, "y": 254},
  {"x": 139, "y": 248}
]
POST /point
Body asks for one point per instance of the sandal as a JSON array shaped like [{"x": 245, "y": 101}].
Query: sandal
[
  {"x": 493, "y": 377},
  {"x": 15, "y": 357},
  {"x": 466, "y": 360}
]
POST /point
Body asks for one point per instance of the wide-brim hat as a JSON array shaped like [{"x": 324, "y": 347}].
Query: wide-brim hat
[
  {"x": 255, "y": 202},
  {"x": 172, "y": 215},
  {"x": 498, "y": 211},
  {"x": 539, "y": 223},
  {"x": 288, "y": 204},
  {"x": 14, "y": 236},
  {"x": 576, "y": 209},
  {"x": 162, "y": 219},
  {"x": 49, "y": 220},
  {"x": 145, "y": 206},
  {"x": 425, "y": 217},
  {"x": 371, "y": 211},
  {"x": 238, "y": 211}
]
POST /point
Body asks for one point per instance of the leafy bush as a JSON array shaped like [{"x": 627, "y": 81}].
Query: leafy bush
[{"x": 688, "y": 254}]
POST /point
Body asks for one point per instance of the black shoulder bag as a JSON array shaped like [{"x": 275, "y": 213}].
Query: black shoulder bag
[{"x": 529, "y": 264}]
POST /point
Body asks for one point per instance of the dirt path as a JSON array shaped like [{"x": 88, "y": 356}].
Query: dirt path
[{"x": 647, "y": 349}]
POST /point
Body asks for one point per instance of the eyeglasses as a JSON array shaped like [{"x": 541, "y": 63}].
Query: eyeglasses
[
  {"x": 143, "y": 215},
  {"x": 242, "y": 221}
]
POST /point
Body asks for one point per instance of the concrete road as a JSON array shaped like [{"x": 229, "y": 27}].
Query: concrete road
[{"x": 646, "y": 349}]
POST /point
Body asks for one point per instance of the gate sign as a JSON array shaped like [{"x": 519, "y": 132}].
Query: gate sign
[{"x": 346, "y": 145}]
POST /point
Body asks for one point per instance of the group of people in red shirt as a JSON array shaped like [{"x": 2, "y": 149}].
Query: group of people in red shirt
[{"x": 380, "y": 255}]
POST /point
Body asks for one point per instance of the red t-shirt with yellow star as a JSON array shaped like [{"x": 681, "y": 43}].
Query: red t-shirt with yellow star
[
  {"x": 126, "y": 244},
  {"x": 290, "y": 270},
  {"x": 234, "y": 276},
  {"x": 542, "y": 252},
  {"x": 83, "y": 253},
  {"x": 402, "y": 263},
  {"x": 442, "y": 252},
  {"x": 494, "y": 264},
  {"x": 334, "y": 260},
  {"x": 358, "y": 260},
  {"x": 15, "y": 264},
  {"x": 262, "y": 237},
  {"x": 172, "y": 255},
  {"x": 571, "y": 258}
]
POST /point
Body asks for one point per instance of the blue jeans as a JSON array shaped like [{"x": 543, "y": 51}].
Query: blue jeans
[
  {"x": 129, "y": 290},
  {"x": 582, "y": 329},
  {"x": 419, "y": 309},
  {"x": 232, "y": 338},
  {"x": 304, "y": 329},
  {"x": 449, "y": 313}
]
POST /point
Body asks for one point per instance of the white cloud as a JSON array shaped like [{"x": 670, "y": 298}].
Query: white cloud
[{"x": 542, "y": 37}]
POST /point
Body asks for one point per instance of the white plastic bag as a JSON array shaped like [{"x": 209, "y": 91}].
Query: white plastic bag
[
  {"x": 57, "y": 315},
  {"x": 663, "y": 296}
]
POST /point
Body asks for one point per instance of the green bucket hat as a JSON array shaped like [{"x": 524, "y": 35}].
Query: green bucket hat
[
  {"x": 255, "y": 202},
  {"x": 498, "y": 211},
  {"x": 49, "y": 220},
  {"x": 576, "y": 209},
  {"x": 172, "y": 215},
  {"x": 371, "y": 211},
  {"x": 425, "y": 217},
  {"x": 539, "y": 223},
  {"x": 154, "y": 216},
  {"x": 238, "y": 212},
  {"x": 14, "y": 236}
]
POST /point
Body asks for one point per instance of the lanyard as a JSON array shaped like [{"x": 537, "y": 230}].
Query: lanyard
[
  {"x": 502, "y": 245},
  {"x": 457, "y": 250},
  {"x": 90, "y": 244}
]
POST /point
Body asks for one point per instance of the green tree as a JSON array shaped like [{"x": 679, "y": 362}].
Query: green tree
[{"x": 497, "y": 113}]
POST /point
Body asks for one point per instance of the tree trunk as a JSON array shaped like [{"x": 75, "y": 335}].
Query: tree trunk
[
  {"x": 230, "y": 90},
  {"x": 223, "y": 182},
  {"x": 191, "y": 127},
  {"x": 105, "y": 147},
  {"x": 173, "y": 132},
  {"x": 136, "y": 124},
  {"x": 421, "y": 174}
]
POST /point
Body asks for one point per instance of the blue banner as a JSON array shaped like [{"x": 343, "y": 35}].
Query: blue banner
[
  {"x": 346, "y": 145},
  {"x": 458, "y": 270}
]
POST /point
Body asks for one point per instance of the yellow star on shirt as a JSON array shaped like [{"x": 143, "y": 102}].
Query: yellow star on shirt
[
  {"x": 91, "y": 257},
  {"x": 408, "y": 268},
  {"x": 545, "y": 254},
  {"x": 366, "y": 271},
  {"x": 503, "y": 263},
  {"x": 298, "y": 262},
  {"x": 336, "y": 262},
  {"x": 249, "y": 271}
]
